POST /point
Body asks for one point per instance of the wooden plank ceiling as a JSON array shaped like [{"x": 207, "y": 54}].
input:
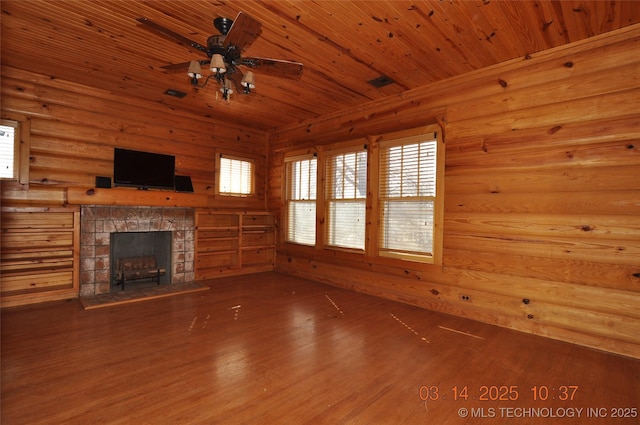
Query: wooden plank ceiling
[{"x": 342, "y": 44}]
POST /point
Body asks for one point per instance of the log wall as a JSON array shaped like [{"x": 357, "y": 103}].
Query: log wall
[
  {"x": 74, "y": 128},
  {"x": 542, "y": 195},
  {"x": 70, "y": 131}
]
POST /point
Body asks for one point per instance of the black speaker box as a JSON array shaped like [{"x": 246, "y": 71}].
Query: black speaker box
[
  {"x": 103, "y": 182},
  {"x": 183, "y": 184}
]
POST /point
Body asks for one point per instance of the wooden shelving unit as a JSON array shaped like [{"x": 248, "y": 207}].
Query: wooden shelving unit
[
  {"x": 229, "y": 243},
  {"x": 39, "y": 255},
  {"x": 258, "y": 241}
]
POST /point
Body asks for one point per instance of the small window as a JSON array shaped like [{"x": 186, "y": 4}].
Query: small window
[
  {"x": 236, "y": 176},
  {"x": 9, "y": 149},
  {"x": 301, "y": 186},
  {"x": 346, "y": 195}
]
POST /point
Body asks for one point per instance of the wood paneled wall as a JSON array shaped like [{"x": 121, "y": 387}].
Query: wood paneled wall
[
  {"x": 74, "y": 128},
  {"x": 542, "y": 188},
  {"x": 542, "y": 195}
]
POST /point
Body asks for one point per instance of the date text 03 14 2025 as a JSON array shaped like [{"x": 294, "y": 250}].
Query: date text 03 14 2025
[{"x": 499, "y": 393}]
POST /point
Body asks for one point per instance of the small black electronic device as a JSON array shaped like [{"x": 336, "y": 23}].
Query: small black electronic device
[
  {"x": 183, "y": 184},
  {"x": 103, "y": 182}
]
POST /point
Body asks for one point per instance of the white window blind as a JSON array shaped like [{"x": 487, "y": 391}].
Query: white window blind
[
  {"x": 8, "y": 150},
  {"x": 407, "y": 197},
  {"x": 236, "y": 176},
  {"x": 301, "y": 181},
  {"x": 346, "y": 193}
]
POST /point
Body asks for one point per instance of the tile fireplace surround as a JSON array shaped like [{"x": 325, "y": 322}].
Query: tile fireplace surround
[{"x": 97, "y": 224}]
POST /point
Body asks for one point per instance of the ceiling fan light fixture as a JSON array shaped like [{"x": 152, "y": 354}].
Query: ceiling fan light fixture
[
  {"x": 195, "y": 71},
  {"x": 217, "y": 64},
  {"x": 226, "y": 88},
  {"x": 248, "y": 82}
]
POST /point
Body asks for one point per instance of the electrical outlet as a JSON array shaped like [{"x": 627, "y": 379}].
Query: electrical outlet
[{"x": 465, "y": 297}]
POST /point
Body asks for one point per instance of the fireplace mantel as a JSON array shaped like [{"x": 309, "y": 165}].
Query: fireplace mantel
[{"x": 126, "y": 196}]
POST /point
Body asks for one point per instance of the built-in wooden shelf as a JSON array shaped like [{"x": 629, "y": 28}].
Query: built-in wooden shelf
[
  {"x": 39, "y": 254},
  {"x": 229, "y": 243}
]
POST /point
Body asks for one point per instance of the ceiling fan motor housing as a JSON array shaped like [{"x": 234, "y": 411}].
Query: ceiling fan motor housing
[
  {"x": 215, "y": 46},
  {"x": 223, "y": 24}
]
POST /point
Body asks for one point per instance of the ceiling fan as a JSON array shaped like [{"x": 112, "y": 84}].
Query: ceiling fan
[{"x": 224, "y": 55}]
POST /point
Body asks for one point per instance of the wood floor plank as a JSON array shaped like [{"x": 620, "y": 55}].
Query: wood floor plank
[{"x": 274, "y": 349}]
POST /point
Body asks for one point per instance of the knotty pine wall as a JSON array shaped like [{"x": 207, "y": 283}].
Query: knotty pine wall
[
  {"x": 542, "y": 195},
  {"x": 74, "y": 128}
]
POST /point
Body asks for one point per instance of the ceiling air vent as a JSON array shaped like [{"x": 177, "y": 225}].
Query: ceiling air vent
[
  {"x": 381, "y": 81},
  {"x": 175, "y": 93}
]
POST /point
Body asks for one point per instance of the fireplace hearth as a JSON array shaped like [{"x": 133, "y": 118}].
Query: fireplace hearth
[{"x": 99, "y": 225}]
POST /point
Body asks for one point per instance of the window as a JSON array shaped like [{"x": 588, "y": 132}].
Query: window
[
  {"x": 236, "y": 176},
  {"x": 301, "y": 186},
  {"x": 346, "y": 194},
  {"x": 382, "y": 200},
  {"x": 407, "y": 197},
  {"x": 9, "y": 146}
]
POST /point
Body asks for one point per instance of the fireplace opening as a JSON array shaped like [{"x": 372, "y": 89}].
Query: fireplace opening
[{"x": 141, "y": 244}]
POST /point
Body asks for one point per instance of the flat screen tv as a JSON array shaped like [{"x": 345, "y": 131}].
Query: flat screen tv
[{"x": 143, "y": 170}]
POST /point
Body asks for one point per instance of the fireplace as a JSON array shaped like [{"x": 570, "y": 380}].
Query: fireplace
[
  {"x": 101, "y": 225},
  {"x": 126, "y": 245}
]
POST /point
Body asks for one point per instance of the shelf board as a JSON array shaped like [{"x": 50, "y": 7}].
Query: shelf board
[
  {"x": 214, "y": 252},
  {"x": 248, "y": 247}
]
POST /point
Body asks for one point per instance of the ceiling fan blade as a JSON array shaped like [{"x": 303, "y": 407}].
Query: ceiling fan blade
[
  {"x": 236, "y": 78},
  {"x": 243, "y": 32},
  {"x": 276, "y": 67},
  {"x": 171, "y": 34},
  {"x": 183, "y": 66}
]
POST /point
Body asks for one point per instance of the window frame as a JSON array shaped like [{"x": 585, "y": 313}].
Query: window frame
[
  {"x": 22, "y": 134},
  {"x": 288, "y": 161},
  {"x": 328, "y": 154},
  {"x": 403, "y": 138},
  {"x": 235, "y": 157}
]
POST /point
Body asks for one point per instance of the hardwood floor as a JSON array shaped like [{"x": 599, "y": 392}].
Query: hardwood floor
[{"x": 274, "y": 349}]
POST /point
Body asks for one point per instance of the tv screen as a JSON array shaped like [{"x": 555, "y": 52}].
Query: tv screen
[{"x": 143, "y": 169}]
